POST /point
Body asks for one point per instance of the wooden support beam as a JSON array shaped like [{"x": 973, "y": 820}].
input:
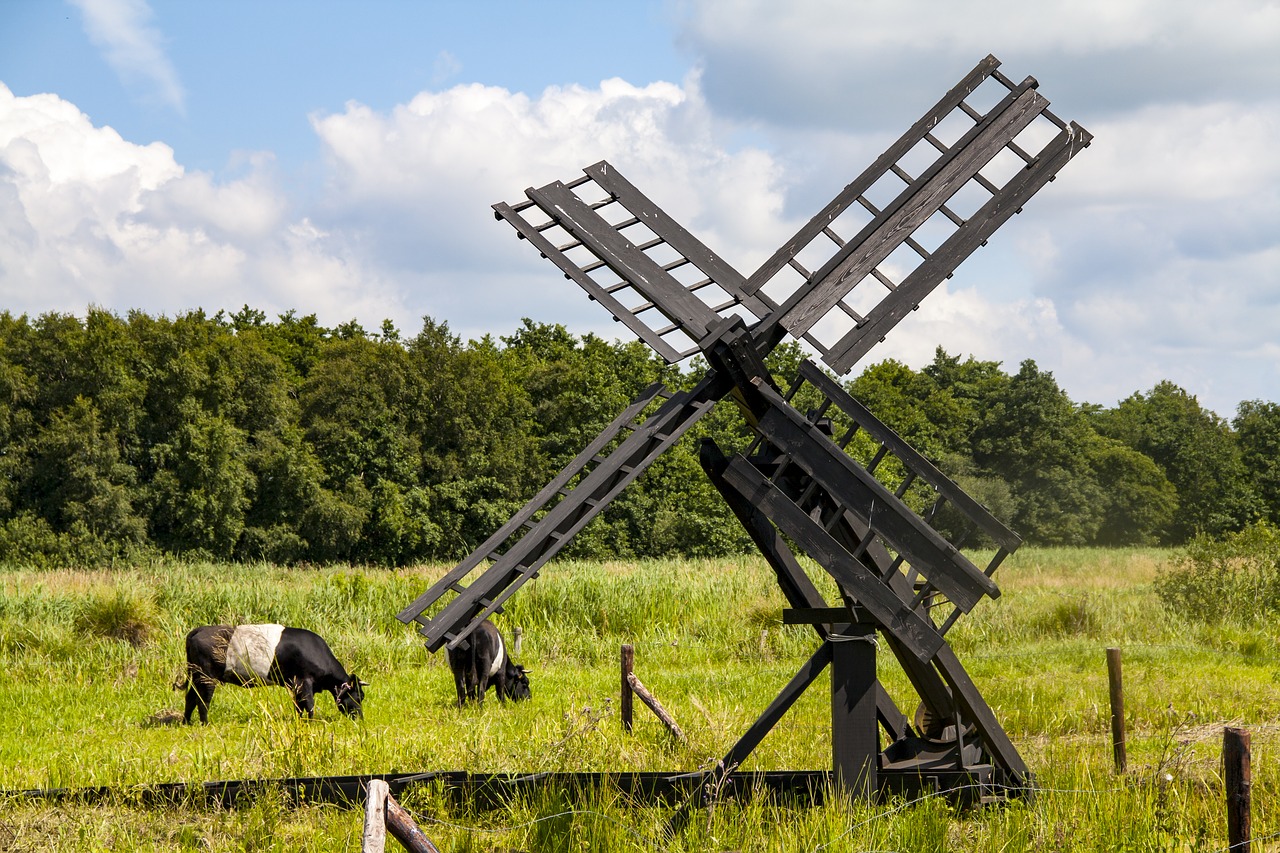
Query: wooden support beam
[
  {"x": 638, "y": 688},
  {"x": 375, "y": 818},
  {"x": 403, "y": 828}
]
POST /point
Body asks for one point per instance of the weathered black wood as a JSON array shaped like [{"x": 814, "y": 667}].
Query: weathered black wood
[
  {"x": 917, "y": 203},
  {"x": 1115, "y": 684},
  {"x": 1237, "y": 772},
  {"x": 554, "y": 530},
  {"x": 910, "y": 458},
  {"x": 794, "y": 582},
  {"x": 636, "y": 268},
  {"x": 625, "y": 704},
  {"x": 855, "y": 746},
  {"x": 814, "y": 615},
  {"x": 895, "y": 616},
  {"x": 537, "y": 503},
  {"x": 849, "y": 195},
  {"x": 575, "y": 273},
  {"x": 675, "y": 235},
  {"x": 787, "y": 697},
  {"x": 853, "y": 487},
  {"x": 963, "y": 242}
]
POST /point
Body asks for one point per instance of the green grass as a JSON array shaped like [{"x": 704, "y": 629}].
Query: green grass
[{"x": 87, "y": 660}]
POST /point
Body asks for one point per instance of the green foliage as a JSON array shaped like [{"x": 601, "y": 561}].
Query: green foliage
[
  {"x": 242, "y": 437},
  {"x": 1233, "y": 579},
  {"x": 121, "y": 613}
]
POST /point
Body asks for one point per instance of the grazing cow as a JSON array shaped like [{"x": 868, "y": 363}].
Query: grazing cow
[
  {"x": 485, "y": 662},
  {"x": 250, "y": 655}
]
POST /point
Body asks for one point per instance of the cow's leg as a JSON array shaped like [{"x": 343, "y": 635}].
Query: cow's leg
[
  {"x": 304, "y": 697},
  {"x": 199, "y": 695},
  {"x": 460, "y": 685},
  {"x": 484, "y": 662}
]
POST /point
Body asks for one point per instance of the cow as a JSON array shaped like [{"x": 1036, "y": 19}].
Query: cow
[
  {"x": 485, "y": 662},
  {"x": 250, "y": 655}
]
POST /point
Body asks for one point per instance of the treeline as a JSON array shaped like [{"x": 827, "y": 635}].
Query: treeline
[{"x": 239, "y": 438}]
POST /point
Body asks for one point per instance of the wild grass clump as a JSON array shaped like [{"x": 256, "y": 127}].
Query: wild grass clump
[
  {"x": 121, "y": 613},
  {"x": 1236, "y": 578}
]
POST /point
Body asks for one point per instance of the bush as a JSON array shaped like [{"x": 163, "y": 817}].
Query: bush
[
  {"x": 1236, "y": 578},
  {"x": 120, "y": 614}
]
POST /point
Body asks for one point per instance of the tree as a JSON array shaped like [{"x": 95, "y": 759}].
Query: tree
[
  {"x": 1197, "y": 452},
  {"x": 1257, "y": 427}
]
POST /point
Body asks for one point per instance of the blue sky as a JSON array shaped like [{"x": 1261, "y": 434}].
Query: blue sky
[{"x": 340, "y": 159}]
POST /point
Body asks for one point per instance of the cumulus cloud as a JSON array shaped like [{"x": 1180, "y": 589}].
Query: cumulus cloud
[
  {"x": 133, "y": 48},
  {"x": 87, "y": 217}
]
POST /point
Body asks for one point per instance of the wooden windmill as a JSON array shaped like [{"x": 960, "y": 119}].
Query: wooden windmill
[{"x": 840, "y": 284}]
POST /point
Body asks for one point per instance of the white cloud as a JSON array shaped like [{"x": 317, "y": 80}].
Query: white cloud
[
  {"x": 89, "y": 218},
  {"x": 133, "y": 48}
]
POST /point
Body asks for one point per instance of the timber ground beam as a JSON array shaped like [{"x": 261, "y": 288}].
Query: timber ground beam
[{"x": 971, "y": 786}]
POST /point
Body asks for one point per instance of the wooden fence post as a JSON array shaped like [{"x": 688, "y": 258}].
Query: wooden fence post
[
  {"x": 1238, "y": 776},
  {"x": 638, "y": 688},
  {"x": 518, "y": 642},
  {"x": 624, "y": 705},
  {"x": 375, "y": 818},
  {"x": 1116, "y": 681},
  {"x": 401, "y": 826}
]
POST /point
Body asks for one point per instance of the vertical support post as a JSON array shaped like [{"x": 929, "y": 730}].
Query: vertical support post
[
  {"x": 1116, "y": 681},
  {"x": 625, "y": 704},
  {"x": 1238, "y": 776},
  {"x": 375, "y": 817},
  {"x": 855, "y": 741}
]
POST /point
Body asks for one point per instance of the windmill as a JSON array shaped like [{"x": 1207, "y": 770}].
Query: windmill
[{"x": 831, "y": 481}]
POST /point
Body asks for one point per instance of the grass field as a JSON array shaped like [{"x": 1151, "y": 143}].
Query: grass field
[{"x": 87, "y": 660}]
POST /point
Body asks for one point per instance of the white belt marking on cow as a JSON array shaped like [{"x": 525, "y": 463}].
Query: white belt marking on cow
[
  {"x": 497, "y": 657},
  {"x": 252, "y": 650}
]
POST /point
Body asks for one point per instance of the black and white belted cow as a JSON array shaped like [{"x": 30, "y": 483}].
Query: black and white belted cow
[
  {"x": 485, "y": 663},
  {"x": 251, "y": 655}
]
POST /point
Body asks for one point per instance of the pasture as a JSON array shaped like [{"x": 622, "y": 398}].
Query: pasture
[{"x": 87, "y": 660}]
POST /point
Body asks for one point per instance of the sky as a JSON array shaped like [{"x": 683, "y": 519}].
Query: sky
[{"x": 341, "y": 159}]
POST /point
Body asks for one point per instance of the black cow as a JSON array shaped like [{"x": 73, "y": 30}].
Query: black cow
[
  {"x": 485, "y": 662},
  {"x": 250, "y": 655}
]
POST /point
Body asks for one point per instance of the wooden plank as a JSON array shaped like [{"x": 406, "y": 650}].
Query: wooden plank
[
  {"x": 575, "y": 273},
  {"x": 975, "y": 709},
  {"x": 536, "y": 503},
  {"x": 911, "y": 458},
  {"x": 920, "y": 201},
  {"x": 563, "y": 521},
  {"x": 764, "y": 724},
  {"x": 634, "y": 267},
  {"x": 917, "y": 633},
  {"x": 855, "y": 744},
  {"x": 873, "y": 173},
  {"x": 962, "y": 242},
  {"x": 657, "y": 220},
  {"x": 853, "y": 487},
  {"x": 403, "y": 828}
]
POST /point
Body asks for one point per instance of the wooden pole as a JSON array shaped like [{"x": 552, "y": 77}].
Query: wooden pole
[
  {"x": 1116, "y": 680},
  {"x": 518, "y": 643},
  {"x": 1238, "y": 776},
  {"x": 624, "y": 706},
  {"x": 655, "y": 706},
  {"x": 375, "y": 818},
  {"x": 401, "y": 826}
]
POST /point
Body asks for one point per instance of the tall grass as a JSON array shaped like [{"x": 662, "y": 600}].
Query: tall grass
[{"x": 79, "y": 696}]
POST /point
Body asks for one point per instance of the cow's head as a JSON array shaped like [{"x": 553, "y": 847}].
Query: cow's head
[
  {"x": 350, "y": 695},
  {"x": 517, "y": 682}
]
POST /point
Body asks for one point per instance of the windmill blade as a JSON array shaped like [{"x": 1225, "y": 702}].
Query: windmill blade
[
  {"x": 560, "y": 514},
  {"x": 640, "y": 264},
  {"x": 891, "y": 236}
]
